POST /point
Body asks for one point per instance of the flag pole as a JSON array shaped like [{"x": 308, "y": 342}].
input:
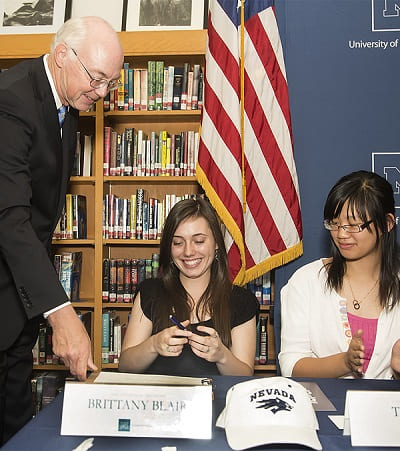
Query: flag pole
[{"x": 242, "y": 101}]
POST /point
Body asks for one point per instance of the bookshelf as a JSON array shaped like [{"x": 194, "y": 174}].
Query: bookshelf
[{"x": 175, "y": 48}]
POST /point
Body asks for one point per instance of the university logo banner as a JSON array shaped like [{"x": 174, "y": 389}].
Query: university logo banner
[{"x": 245, "y": 163}]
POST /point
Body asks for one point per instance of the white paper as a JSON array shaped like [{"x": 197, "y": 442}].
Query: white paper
[
  {"x": 113, "y": 377},
  {"x": 337, "y": 420},
  {"x": 373, "y": 418}
]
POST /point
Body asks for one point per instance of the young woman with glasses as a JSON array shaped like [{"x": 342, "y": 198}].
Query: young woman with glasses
[{"x": 341, "y": 315}]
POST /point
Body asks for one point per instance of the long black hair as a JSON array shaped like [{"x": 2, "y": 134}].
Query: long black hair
[
  {"x": 370, "y": 197},
  {"x": 215, "y": 300}
]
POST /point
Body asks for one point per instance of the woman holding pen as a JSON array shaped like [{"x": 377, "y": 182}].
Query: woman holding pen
[{"x": 191, "y": 320}]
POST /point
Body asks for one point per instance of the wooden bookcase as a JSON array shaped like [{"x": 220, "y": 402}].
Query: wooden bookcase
[{"x": 175, "y": 48}]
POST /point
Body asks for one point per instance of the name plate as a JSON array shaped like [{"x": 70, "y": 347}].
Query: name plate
[
  {"x": 372, "y": 418},
  {"x": 157, "y": 406}
]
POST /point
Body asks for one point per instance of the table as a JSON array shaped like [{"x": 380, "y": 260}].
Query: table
[{"x": 43, "y": 432}]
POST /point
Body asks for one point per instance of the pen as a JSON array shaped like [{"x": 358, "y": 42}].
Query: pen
[{"x": 176, "y": 322}]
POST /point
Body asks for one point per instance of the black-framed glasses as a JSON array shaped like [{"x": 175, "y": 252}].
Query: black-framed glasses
[
  {"x": 349, "y": 228},
  {"x": 98, "y": 83}
]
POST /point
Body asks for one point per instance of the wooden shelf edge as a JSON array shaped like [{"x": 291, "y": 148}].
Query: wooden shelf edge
[
  {"x": 150, "y": 179},
  {"x": 50, "y": 367},
  {"x": 155, "y": 113},
  {"x": 83, "y": 304},
  {"x": 161, "y": 43},
  {"x": 268, "y": 367},
  {"x": 130, "y": 242},
  {"x": 73, "y": 242},
  {"x": 134, "y": 43}
]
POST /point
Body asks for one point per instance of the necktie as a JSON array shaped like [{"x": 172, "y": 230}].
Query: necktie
[{"x": 61, "y": 114}]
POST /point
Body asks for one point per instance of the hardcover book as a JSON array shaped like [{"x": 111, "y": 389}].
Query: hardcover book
[{"x": 70, "y": 274}]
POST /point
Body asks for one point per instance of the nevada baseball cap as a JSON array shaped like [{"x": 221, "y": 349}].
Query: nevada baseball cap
[{"x": 269, "y": 410}]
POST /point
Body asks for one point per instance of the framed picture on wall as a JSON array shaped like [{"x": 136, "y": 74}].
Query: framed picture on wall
[
  {"x": 164, "y": 15},
  {"x": 103, "y": 8},
  {"x": 40, "y": 16}
]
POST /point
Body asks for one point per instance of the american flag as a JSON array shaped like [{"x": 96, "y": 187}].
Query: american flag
[{"x": 245, "y": 162}]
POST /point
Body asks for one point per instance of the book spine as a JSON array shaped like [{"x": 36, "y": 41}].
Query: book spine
[
  {"x": 141, "y": 271},
  {"x": 76, "y": 168},
  {"x": 76, "y": 271},
  {"x": 151, "y": 85},
  {"x": 136, "y": 89},
  {"x": 177, "y": 88},
  {"x": 143, "y": 89},
  {"x": 165, "y": 90},
  {"x": 130, "y": 90},
  {"x": 263, "y": 340},
  {"x": 195, "y": 88},
  {"x": 105, "y": 337},
  {"x": 121, "y": 91},
  {"x": 120, "y": 280},
  {"x": 184, "y": 93},
  {"x": 139, "y": 213},
  {"x": 107, "y": 144},
  {"x": 87, "y": 155},
  {"x": 127, "y": 281},
  {"x": 170, "y": 89},
  {"x": 69, "y": 215},
  {"x": 126, "y": 86},
  {"x": 113, "y": 153},
  {"x": 112, "y": 292},
  {"x": 159, "y": 85},
  {"x": 134, "y": 275},
  {"x": 145, "y": 215},
  {"x": 106, "y": 280}
]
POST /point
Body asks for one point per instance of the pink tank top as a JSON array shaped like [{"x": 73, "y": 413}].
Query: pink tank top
[{"x": 368, "y": 326}]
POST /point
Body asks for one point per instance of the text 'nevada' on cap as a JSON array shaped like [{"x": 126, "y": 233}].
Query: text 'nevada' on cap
[{"x": 269, "y": 410}]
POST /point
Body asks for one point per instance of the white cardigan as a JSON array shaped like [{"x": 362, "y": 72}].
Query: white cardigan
[{"x": 314, "y": 323}]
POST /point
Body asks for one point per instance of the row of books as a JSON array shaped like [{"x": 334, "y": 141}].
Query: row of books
[
  {"x": 73, "y": 220},
  {"x": 134, "y": 153},
  {"x": 138, "y": 217},
  {"x": 157, "y": 87},
  {"x": 121, "y": 276},
  {"x": 261, "y": 288},
  {"x": 112, "y": 335},
  {"x": 42, "y": 352},
  {"x": 68, "y": 266},
  {"x": 83, "y": 155}
]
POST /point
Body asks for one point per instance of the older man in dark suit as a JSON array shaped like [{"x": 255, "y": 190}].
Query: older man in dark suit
[{"x": 36, "y": 156}]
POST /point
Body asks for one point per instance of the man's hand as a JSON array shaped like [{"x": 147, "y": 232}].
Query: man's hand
[{"x": 71, "y": 341}]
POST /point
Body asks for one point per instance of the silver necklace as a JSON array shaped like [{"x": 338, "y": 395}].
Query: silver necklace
[{"x": 356, "y": 303}]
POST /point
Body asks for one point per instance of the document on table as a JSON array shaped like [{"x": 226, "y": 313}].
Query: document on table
[{"x": 319, "y": 400}]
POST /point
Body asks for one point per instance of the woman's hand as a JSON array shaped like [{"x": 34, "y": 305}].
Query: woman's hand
[
  {"x": 354, "y": 356},
  {"x": 170, "y": 341},
  {"x": 208, "y": 345},
  {"x": 395, "y": 361}
]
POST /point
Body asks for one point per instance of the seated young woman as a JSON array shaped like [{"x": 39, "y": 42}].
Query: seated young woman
[
  {"x": 341, "y": 315},
  {"x": 219, "y": 319}
]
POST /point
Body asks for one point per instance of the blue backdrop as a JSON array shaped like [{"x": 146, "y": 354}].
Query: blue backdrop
[{"x": 343, "y": 69}]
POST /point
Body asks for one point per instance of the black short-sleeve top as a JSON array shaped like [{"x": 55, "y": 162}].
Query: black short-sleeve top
[{"x": 244, "y": 306}]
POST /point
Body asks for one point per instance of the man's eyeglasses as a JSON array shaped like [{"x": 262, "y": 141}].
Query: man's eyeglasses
[
  {"x": 349, "y": 228},
  {"x": 98, "y": 83}
]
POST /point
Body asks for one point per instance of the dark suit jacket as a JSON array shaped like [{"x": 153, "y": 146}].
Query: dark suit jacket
[{"x": 35, "y": 165}]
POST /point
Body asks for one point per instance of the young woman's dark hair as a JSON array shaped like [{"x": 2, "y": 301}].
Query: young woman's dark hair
[
  {"x": 370, "y": 197},
  {"x": 215, "y": 300}
]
